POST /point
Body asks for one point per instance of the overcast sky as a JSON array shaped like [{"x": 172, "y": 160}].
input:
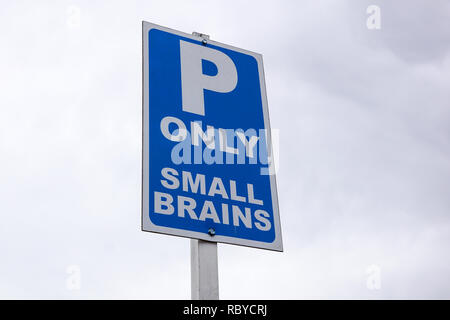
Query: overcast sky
[{"x": 364, "y": 169}]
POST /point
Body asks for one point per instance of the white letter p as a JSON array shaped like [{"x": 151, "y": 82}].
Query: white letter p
[{"x": 193, "y": 81}]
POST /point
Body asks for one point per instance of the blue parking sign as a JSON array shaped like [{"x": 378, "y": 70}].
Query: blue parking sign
[{"x": 208, "y": 166}]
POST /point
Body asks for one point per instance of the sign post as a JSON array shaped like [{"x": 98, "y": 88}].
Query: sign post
[
  {"x": 204, "y": 270},
  {"x": 204, "y": 259},
  {"x": 208, "y": 168}
]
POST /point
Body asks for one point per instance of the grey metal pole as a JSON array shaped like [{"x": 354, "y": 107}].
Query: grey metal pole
[
  {"x": 204, "y": 264},
  {"x": 204, "y": 270}
]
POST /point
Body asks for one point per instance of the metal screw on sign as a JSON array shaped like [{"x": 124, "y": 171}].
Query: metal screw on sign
[{"x": 204, "y": 37}]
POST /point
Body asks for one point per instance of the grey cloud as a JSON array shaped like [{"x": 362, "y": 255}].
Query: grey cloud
[{"x": 364, "y": 161}]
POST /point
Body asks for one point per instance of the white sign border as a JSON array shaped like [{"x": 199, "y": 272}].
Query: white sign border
[{"x": 147, "y": 225}]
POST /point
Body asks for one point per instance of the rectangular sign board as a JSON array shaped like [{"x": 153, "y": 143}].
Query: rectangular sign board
[{"x": 207, "y": 164}]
